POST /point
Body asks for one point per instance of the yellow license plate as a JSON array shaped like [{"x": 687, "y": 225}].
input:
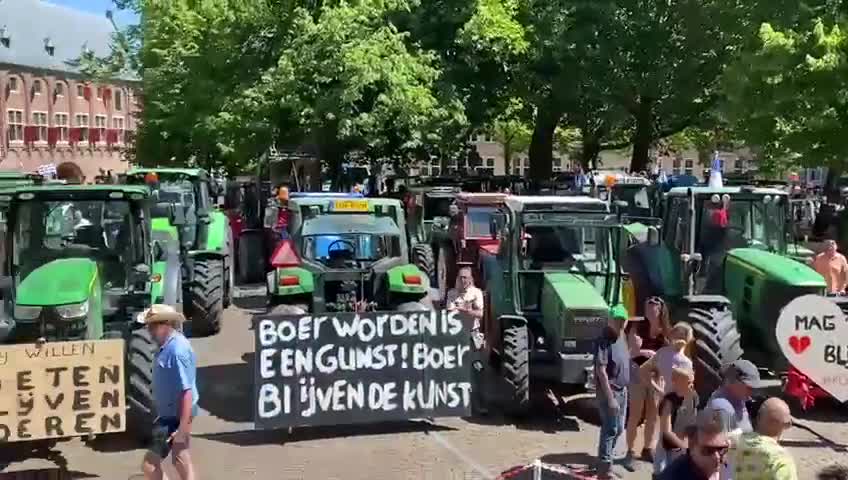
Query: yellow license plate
[{"x": 350, "y": 206}]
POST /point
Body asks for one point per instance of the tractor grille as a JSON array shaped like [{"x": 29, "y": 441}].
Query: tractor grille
[
  {"x": 49, "y": 326},
  {"x": 581, "y": 329}
]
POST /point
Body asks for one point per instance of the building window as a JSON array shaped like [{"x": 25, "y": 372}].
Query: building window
[
  {"x": 13, "y": 84},
  {"x": 16, "y": 125},
  {"x": 118, "y": 125},
  {"x": 39, "y": 119},
  {"x": 739, "y": 166},
  {"x": 557, "y": 164},
  {"x": 119, "y": 100},
  {"x": 689, "y": 166},
  {"x": 60, "y": 89},
  {"x": 36, "y": 87},
  {"x": 60, "y": 120},
  {"x": 100, "y": 125},
  {"x": 81, "y": 122},
  {"x": 675, "y": 167},
  {"x": 80, "y": 91}
]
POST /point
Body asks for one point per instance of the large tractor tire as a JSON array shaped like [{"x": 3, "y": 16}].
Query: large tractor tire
[
  {"x": 717, "y": 343},
  {"x": 422, "y": 257},
  {"x": 251, "y": 258},
  {"x": 139, "y": 384},
  {"x": 515, "y": 364},
  {"x": 207, "y": 297}
]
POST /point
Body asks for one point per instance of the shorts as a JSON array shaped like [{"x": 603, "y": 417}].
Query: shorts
[{"x": 163, "y": 428}]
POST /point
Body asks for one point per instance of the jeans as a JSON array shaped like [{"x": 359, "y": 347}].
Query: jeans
[{"x": 612, "y": 426}]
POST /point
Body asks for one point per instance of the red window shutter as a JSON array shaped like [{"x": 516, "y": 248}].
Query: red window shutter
[
  {"x": 86, "y": 93},
  {"x": 73, "y": 135},
  {"x": 94, "y": 135},
  {"x": 52, "y": 135},
  {"x": 107, "y": 94},
  {"x": 30, "y": 134},
  {"x": 110, "y": 136}
]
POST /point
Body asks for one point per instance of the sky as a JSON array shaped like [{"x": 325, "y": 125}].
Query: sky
[{"x": 99, "y": 7}]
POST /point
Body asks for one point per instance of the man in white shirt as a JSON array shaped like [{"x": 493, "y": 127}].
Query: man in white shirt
[{"x": 466, "y": 298}]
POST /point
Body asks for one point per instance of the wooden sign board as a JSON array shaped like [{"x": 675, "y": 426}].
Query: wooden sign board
[{"x": 61, "y": 389}]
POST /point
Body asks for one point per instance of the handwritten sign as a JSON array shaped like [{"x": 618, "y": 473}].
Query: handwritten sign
[
  {"x": 61, "y": 389},
  {"x": 812, "y": 331},
  {"x": 354, "y": 368}
]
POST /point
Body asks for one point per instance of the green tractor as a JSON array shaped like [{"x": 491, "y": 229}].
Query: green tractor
[
  {"x": 549, "y": 289},
  {"x": 79, "y": 266},
  {"x": 429, "y": 229},
  {"x": 204, "y": 235},
  {"x": 346, "y": 253},
  {"x": 724, "y": 265}
]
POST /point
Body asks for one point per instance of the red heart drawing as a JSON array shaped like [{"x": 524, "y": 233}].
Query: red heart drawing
[{"x": 799, "y": 344}]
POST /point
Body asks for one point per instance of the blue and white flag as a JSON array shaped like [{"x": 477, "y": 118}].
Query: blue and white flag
[{"x": 716, "y": 181}]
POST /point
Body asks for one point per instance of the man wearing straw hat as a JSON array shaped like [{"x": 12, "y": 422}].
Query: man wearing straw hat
[{"x": 174, "y": 392}]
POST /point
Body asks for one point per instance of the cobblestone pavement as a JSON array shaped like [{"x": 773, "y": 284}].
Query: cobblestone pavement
[{"x": 225, "y": 448}]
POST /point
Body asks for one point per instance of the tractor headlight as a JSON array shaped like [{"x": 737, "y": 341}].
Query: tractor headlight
[
  {"x": 26, "y": 312},
  {"x": 73, "y": 311}
]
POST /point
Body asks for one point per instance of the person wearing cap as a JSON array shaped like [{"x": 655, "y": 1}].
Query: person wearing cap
[
  {"x": 612, "y": 375},
  {"x": 174, "y": 392},
  {"x": 739, "y": 380},
  {"x": 759, "y": 455},
  {"x": 707, "y": 447}
]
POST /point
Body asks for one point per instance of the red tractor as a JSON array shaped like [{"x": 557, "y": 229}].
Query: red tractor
[{"x": 469, "y": 233}]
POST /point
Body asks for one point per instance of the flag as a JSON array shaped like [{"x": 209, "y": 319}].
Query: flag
[
  {"x": 47, "y": 170},
  {"x": 716, "y": 181},
  {"x": 663, "y": 178}
]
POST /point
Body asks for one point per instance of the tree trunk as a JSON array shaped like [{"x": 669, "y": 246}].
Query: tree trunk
[
  {"x": 831, "y": 185},
  {"x": 542, "y": 144},
  {"x": 643, "y": 135},
  {"x": 507, "y": 154},
  {"x": 591, "y": 148}
]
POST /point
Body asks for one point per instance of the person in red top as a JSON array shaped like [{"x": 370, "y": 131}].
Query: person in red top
[
  {"x": 283, "y": 212},
  {"x": 651, "y": 334},
  {"x": 833, "y": 267}
]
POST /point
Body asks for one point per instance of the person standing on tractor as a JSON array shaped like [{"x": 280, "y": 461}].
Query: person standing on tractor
[
  {"x": 643, "y": 400},
  {"x": 612, "y": 375},
  {"x": 175, "y": 393},
  {"x": 832, "y": 265},
  {"x": 283, "y": 212}
]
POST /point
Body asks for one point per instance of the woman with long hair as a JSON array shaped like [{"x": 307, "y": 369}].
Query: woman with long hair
[{"x": 643, "y": 402}]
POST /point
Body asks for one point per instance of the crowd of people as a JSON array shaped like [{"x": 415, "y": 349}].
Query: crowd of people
[{"x": 642, "y": 366}]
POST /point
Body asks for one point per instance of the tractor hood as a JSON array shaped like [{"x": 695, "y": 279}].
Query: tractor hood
[
  {"x": 778, "y": 268},
  {"x": 60, "y": 282},
  {"x": 574, "y": 292}
]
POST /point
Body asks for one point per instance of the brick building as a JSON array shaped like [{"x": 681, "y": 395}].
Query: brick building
[{"x": 51, "y": 113}]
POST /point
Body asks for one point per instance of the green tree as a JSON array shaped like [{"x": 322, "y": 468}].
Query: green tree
[{"x": 512, "y": 131}]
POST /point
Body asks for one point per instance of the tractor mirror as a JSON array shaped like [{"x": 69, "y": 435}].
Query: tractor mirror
[
  {"x": 653, "y": 236},
  {"x": 271, "y": 214},
  {"x": 176, "y": 215},
  {"x": 158, "y": 252}
]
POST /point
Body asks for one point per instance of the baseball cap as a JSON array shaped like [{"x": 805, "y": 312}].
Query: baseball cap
[
  {"x": 715, "y": 419},
  {"x": 742, "y": 371}
]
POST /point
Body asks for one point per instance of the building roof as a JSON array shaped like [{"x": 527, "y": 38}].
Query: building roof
[{"x": 29, "y": 23}]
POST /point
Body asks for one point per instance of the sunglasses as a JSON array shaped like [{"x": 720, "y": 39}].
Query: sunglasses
[
  {"x": 711, "y": 451},
  {"x": 656, "y": 301}
]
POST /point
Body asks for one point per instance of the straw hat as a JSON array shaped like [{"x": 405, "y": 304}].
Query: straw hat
[{"x": 160, "y": 313}]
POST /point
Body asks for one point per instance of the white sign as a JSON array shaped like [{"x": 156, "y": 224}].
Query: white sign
[{"x": 813, "y": 333}]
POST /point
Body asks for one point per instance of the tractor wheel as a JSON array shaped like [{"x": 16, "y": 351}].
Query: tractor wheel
[
  {"x": 515, "y": 364},
  {"x": 717, "y": 343},
  {"x": 422, "y": 257},
  {"x": 251, "y": 258},
  {"x": 139, "y": 394},
  {"x": 207, "y": 297},
  {"x": 444, "y": 269}
]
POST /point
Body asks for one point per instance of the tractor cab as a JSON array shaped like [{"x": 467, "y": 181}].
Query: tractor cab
[
  {"x": 77, "y": 259},
  {"x": 550, "y": 287},
  {"x": 431, "y": 213}
]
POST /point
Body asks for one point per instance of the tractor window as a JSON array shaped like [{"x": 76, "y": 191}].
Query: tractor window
[
  {"x": 436, "y": 207},
  {"x": 751, "y": 223},
  {"x": 563, "y": 247},
  {"x": 678, "y": 224},
  {"x": 45, "y": 231},
  {"x": 333, "y": 249},
  {"x": 477, "y": 222}
]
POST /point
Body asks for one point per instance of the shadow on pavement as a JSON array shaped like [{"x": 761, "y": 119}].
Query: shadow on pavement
[
  {"x": 301, "y": 434},
  {"x": 19, "y": 452},
  {"x": 115, "y": 442},
  {"x": 226, "y": 391},
  {"x": 46, "y": 474}
]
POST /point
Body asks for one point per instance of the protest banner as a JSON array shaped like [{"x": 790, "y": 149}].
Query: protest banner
[
  {"x": 812, "y": 331},
  {"x": 61, "y": 389},
  {"x": 360, "y": 367}
]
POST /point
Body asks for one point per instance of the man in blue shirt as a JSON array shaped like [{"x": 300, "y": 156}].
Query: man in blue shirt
[
  {"x": 612, "y": 375},
  {"x": 740, "y": 378},
  {"x": 174, "y": 393}
]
